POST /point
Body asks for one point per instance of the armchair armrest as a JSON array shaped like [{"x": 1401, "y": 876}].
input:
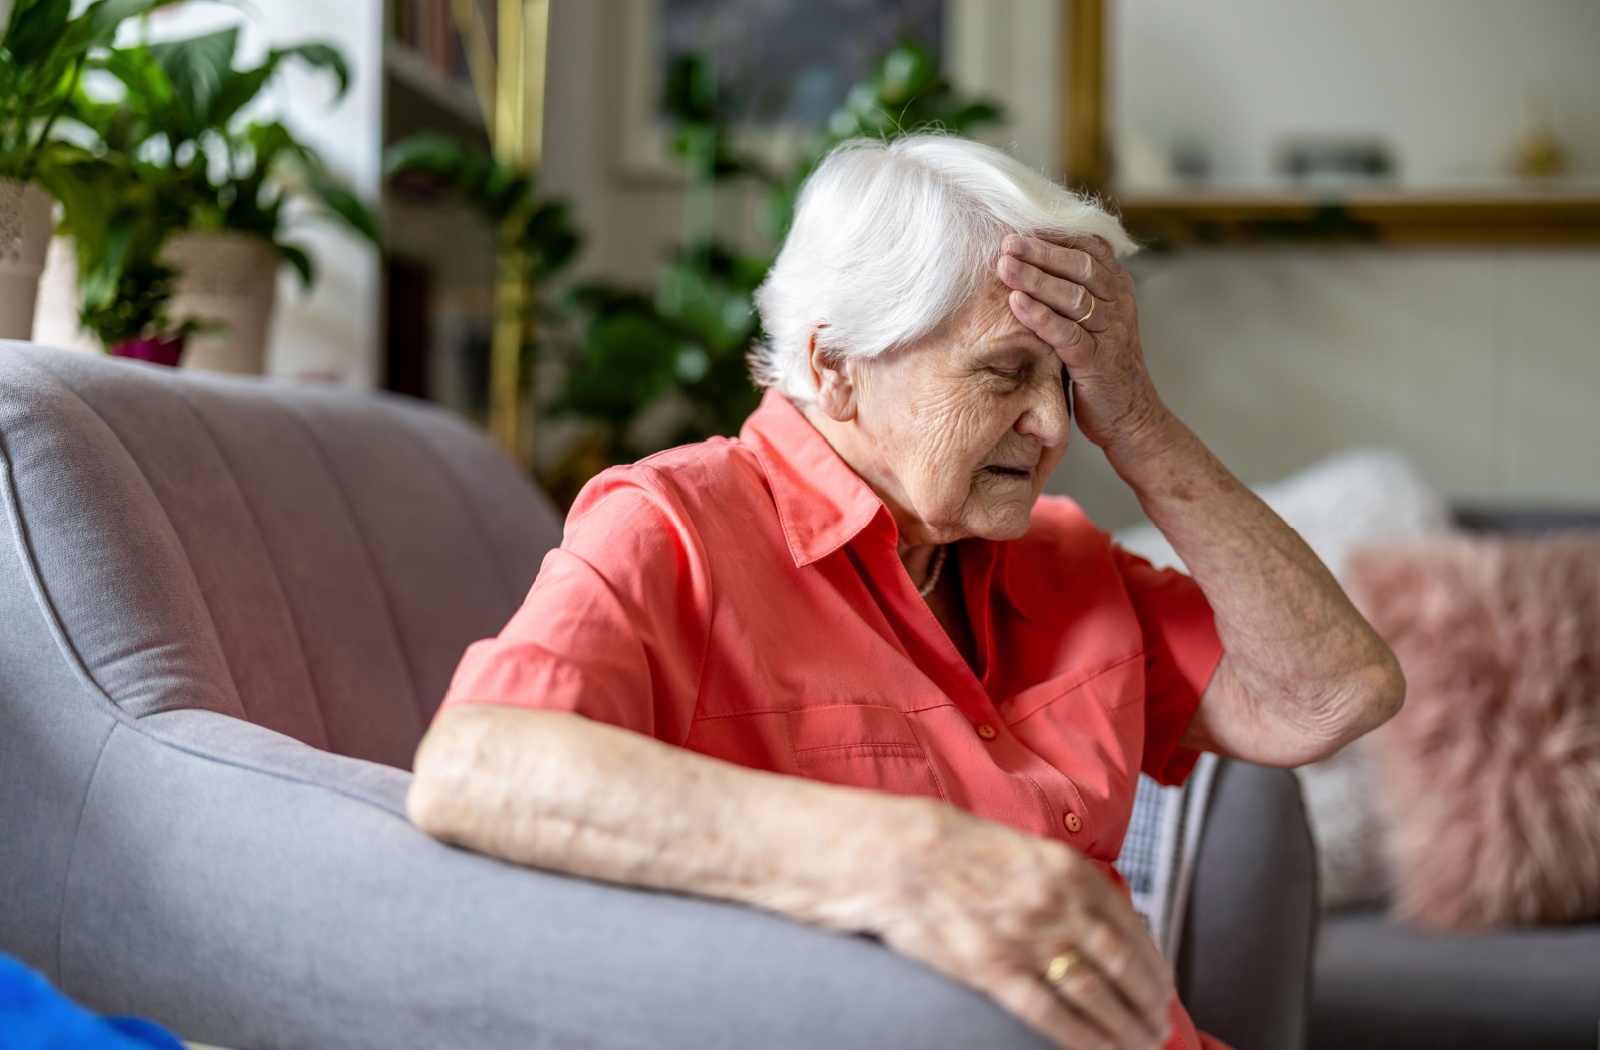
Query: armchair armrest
[
  {"x": 247, "y": 890},
  {"x": 1250, "y": 930}
]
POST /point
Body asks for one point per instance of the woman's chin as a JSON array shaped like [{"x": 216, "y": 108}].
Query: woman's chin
[{"x": 1003, "y": 519}]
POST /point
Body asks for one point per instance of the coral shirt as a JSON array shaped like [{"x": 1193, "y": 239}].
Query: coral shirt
[{"x": 745, "y": 599}]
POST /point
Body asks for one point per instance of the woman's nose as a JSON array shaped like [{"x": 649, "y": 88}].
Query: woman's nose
[{"x": 1047, "y": 419}]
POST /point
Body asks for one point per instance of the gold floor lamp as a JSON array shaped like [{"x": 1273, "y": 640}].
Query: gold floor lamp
[{"x": 508, "y": 75}]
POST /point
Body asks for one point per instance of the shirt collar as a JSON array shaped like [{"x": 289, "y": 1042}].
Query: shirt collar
[{"x": 822, "y": 503}]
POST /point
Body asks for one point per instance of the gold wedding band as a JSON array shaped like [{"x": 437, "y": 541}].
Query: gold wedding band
[
  {"x": 1060, "y": 966},
  {"x": 1092, "y": 302}
]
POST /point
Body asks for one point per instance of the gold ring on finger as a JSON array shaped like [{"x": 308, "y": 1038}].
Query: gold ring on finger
[
  {"x": 1060, "y": 966},
  {"x": 1092, "y": 302}
]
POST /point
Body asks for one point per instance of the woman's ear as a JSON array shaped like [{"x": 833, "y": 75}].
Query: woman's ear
[{"x": 836, "y": 392}]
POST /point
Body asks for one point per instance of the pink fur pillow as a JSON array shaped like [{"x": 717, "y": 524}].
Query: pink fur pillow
[{"x": 1491, "y": 772}]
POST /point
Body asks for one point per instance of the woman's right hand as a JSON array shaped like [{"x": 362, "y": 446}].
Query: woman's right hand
[
  {"x": 987, "y": 905},
  {"x": 992, "y": 907}
]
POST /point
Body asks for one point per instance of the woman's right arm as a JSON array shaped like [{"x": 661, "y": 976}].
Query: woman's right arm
[{"x": 980, "y": 902}]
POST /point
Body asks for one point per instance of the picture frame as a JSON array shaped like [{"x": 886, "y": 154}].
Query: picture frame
[
  {"x": 1532, "y": 214},
  {"x": 973, "y": 39}
]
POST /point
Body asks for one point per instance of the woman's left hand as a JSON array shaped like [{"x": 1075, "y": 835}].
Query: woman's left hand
[{"x": 1076, "y": 296}]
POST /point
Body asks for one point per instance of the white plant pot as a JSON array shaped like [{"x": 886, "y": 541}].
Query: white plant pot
[
  {"x": 25, "y": 214},
  {"x": 55, "y": 321},
  {"x": 228, "y": 279}
]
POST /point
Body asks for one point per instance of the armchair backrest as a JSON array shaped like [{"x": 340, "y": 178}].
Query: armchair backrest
[{"x": 312, "y": 560}]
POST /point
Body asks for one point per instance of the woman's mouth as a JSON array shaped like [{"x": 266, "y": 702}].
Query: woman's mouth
[{"x": 1001, "y": 470}]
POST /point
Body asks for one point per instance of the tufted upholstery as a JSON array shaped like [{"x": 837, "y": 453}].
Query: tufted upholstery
[{"x": 312, "y": 561}]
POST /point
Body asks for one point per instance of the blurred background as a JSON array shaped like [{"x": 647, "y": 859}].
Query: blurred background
[{"x": 1368, "y": 224}]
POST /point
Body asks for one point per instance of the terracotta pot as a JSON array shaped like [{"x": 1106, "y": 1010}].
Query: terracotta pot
[
  {"x": 228, "y": 279},
  {"x": 25, "y": 214},
  {"x": 157, "y": 349}
]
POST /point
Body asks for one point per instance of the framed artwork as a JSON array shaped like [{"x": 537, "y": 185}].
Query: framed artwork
[
  {"x": 1393, "y": 155},
  {"x": 784, "y": 65}
]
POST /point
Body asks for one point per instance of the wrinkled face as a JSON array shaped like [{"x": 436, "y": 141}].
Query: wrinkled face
[{"x": 959, "y": 432}]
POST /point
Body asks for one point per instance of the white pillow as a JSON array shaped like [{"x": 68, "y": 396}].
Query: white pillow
[
  {"x": 1352, "y": 500},
  {"x": 1340, "y": 505}
]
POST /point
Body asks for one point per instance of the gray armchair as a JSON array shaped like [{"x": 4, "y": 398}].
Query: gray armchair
[{"x": 229, "y": 609}]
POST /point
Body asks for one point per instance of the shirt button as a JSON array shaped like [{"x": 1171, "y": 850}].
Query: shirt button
[
  {"x": 1073, "y": 822},
  {"x": 987, "y": 732}
]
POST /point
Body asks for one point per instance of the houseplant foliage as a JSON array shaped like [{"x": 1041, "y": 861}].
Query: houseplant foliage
[
  {"x": 644, "y": 369},
  {"x": 171, "y": 150},
  {"x": 44, "y": 53},
  {"x": 43, "y": 56},
  {"x": 534, "y": 240},
  {"x": 537, "y": 231},
  {"x": 689, "y": 341}
]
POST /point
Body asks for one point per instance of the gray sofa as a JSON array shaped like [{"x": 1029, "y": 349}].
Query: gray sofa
[
  {"x": 1383, "y": 984},
  {"x": 230, "y": 607}
]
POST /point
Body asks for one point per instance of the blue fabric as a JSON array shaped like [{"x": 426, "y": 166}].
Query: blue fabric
[{"x": 34, "y": 1016}]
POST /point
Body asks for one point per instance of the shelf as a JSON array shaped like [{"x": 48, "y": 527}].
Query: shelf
[
  {"x": 407, "y": 66},
  {"x": 1490, "y": 218}
]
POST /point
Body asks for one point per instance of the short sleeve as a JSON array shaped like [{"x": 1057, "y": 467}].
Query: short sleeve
[
  {"x": 616, "y": 625},
  {"x": 1182, "y": 651}
]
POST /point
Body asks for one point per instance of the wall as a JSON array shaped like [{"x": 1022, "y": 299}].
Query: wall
[{"x": 1483, "y": 365}]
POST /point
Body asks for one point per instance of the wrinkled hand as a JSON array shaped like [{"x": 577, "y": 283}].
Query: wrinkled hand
[
  {"x": 991, "y": 907},
  {"x": 1076, "y": 296}
]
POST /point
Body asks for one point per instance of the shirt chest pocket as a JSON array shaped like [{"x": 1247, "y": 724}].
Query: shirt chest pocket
[
  {"x": 1092, "y": 732},
  {"x": 859, "y": 745}
]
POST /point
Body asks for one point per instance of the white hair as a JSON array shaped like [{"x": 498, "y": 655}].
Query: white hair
[{"x": 891, "y": 238}]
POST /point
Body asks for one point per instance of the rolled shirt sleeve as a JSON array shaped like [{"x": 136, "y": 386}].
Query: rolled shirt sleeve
[
  {"x": 615, "y": 627},
  {"x": 1182, "y": 651}
]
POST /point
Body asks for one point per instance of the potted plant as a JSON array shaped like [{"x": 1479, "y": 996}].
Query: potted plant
[
  {"x": 534, "y": 240},
  {"x": 43, "y": 54},
  {"x": 685, "y": 347},
  {"x": 181, "y": 203}
]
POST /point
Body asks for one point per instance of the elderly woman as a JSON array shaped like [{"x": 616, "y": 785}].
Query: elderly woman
[{"x": 851, "y": 667}]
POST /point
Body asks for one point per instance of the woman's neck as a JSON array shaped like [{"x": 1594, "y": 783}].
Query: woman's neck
[{"x": 918, "y": 560}]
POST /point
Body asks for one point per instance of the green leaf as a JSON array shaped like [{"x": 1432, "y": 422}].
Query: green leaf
[
  {"x": 147, "y": 85},
  {"x": 503, "y": 191},
  {"x": 319, "y": 56},
  {"x": 101, "y": 20},
  {"x": 459, "y": 166},
  {"x": 490, "y": 188},
  {"x": 100, "y": 271},
  {"x": 296, "y": 256},
  {"x": 238, "y": 90},
  {"x": 689, "y": 94},
  {"x": 199, "y": 68},
  {"x": 628, "y": 359},
  {"x": 271, "y": 141},
  {"x": 550, "y": 239},
  {"x": 348, "y": 207},
  {"x": 704, "y": 304},
  {"x": 20, "y": 12},
  {"x": 35, "y": 29},
  {"x": 972, "y": 115},
  {"x": 86, "y": 188}
]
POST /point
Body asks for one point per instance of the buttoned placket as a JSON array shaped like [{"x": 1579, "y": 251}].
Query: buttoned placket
[
  {"x": 857, "y": 518},
  {"x": 972, "y": 692}
]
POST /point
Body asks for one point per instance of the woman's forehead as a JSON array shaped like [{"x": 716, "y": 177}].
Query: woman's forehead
[{"x": 986, "y": 322}]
